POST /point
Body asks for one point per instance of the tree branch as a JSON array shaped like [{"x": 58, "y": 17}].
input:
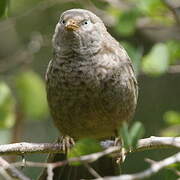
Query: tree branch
[
  {"x": 157, "y": 142},
  {"x": 24, "y": 148},
  {"x": 155, "y": 167},
  {"x": 143, "y": 144}
]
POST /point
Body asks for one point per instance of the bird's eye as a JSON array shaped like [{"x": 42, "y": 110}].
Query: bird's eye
[
  {"x": 86, "y": 22},
  {"x": 63, "y": 21}
]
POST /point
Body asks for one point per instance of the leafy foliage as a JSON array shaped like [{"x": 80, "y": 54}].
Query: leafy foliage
[
  {"x": 174, "y": 51},
  {"x": 127, "y": 22},
  {"x": 31, "y": 94},
  {"x": 3, "y": 7},
  {"x": 150, "y": 7},
  {"x": 84, "y": 147},
  {"x": 7, "y": 107},
  {"x": 156, "y": 61},
  {"x": 131, "y": 136},
  {"x": 172, "y": 117}
]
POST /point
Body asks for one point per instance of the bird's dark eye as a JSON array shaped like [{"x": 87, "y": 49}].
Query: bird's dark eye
[
  {"x": 63, "y": 21},
  {"x": 86, "y": 22}
]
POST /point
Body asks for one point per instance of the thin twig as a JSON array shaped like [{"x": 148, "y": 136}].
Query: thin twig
[
  {"x": 4, "y": 174},
  {"x": 11, "y": 171},
  {"x": 50, "y": 172},
  {"x": 50, "y": 166},
  {"x": 91, "y": 170},
  {"x": 83, "y": 159},
  {"x": 154, "y": 168}
]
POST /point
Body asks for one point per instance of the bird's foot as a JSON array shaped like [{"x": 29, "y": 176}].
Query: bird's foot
[
  {"x": 67, "y": 142},
  {"x": 120, "y": 158}
]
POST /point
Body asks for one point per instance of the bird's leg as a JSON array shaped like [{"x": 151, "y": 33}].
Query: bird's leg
[
  {"x": 121, "y": 155},
  {"x": 67, "y": 142}
]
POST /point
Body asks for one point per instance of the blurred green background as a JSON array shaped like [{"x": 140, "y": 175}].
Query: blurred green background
[{"x": 148, "y": 29}]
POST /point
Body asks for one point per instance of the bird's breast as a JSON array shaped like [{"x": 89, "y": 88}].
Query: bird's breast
[
  {"x": 78, "y": 78},
  {"x": 88, "y": 95}
]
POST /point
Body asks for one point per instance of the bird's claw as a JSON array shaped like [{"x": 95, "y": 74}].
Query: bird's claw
[{"x": 67, "y": 142}]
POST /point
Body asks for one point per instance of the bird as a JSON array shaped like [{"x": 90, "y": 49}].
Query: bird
[{"x": 90, "y": 81}]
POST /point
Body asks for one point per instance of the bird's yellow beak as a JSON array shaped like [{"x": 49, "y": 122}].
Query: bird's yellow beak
[{"x": 71, "y": 25}]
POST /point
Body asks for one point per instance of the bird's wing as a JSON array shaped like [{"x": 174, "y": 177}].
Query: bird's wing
[{"x": 127, "y": 66}]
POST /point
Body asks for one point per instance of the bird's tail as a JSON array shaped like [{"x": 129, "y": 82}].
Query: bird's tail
[{"x": 105, "y": 166}]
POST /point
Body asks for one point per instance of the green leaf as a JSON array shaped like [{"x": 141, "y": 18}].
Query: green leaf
[
  {"x": 172, "y": 117},
  {"x": 84, "y": 147},
  {"x": 124, "y": 134},
  {"x": 156, "y": 62},
  {"x": 175, "y": 165},
  {"x": 174, "y": 51},
  {"x": 151, "y": 7},
  {"x": 131, "y": 137},
  {"x": 31, "y": 94},
  {"x": 127, "y": 22},
  {"x": 3, "y": 6},
  {"x": 136, "y": 132},
  {"x": 156, "y": 10},
  {"x": 7, "y": 107}
]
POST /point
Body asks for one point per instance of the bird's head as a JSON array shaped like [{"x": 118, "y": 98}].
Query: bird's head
[{"x": 78, "y": 29}]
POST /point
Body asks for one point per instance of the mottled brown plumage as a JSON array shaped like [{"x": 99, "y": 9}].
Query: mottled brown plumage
[{"x": 91, "y": 86}]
